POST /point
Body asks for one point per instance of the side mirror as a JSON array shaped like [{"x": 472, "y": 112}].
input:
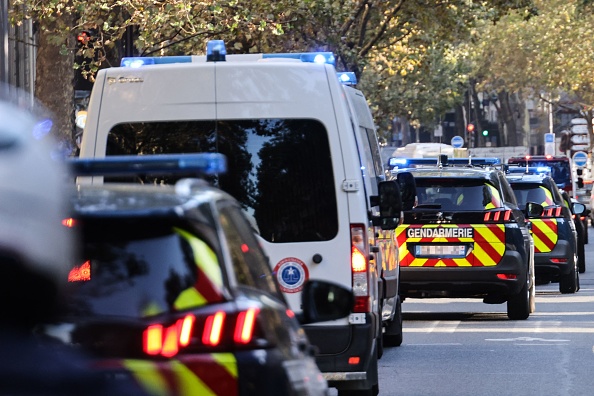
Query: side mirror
[
  {"x": 408, "y": 189},
  {"x": 533, "y": 210},
  {"x": 390, "y": 205},
  {"x": 322, "y": 301},
  {"x": 578, "y": 208}
]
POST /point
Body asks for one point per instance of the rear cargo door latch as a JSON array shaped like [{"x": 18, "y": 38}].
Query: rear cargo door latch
[{"x": 350, "y": 185}]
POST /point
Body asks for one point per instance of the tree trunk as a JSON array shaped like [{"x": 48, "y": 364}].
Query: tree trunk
[
  {"x": 506, "y": 112},
  {"x": 54, "y": 83}
]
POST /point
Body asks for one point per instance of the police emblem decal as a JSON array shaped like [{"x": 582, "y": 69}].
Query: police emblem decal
[{"x": 291, "y": 273}]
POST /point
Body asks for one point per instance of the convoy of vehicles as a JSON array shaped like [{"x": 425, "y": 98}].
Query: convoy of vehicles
[
  {"x": 306, "y": 175},
  {"x": 466, "y": 237},
  {"x": 304, "y": 164},
  {"x": 554, "y": 233}
]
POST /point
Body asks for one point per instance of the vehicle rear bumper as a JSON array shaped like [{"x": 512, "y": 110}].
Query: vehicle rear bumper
[
  {"x": 465, "y": 281},
  {"x": 545, "y": 265},
  {"x": 337, "y": 344}
]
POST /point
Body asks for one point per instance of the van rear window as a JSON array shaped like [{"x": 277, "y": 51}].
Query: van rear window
[{"x": 280, "y": 170}]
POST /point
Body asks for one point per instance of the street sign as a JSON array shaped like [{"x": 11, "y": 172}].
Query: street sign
[
  {"x": 438, "y": 132},
  {"x": 580, "y": 139},
  {"x": 549, "y": 143},
  {"x": 457, "y": 142},
  {"x": 579, "y": 129},
  {"x": 549, "y": 137},
  {"x": 579, "y": 121},
  {"x": 580, "y": 159}
]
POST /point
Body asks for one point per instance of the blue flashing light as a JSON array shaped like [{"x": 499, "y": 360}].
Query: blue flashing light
[
  {"x": 397, "y": 162},
  {"x": 433, "y": 161},
  {"x": 122, "y": 165},
  {"x": 347, "y": 78},
  {"x": 216, "y": 51},
  {"x": 308, "y": 57},
  {"x": 529, "y": 170},
  {"x": 141, "y": 61}
]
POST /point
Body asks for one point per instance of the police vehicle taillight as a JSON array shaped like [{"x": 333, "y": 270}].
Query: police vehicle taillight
[
  {"x": 498, "y": 216},
  {"x": 219, "y": 330},
  {"x": 553, "y": 211},
  {"x": 360, "y": 268}
]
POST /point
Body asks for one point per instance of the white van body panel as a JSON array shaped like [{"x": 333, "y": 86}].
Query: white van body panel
[{"x": 177, "y": 92}]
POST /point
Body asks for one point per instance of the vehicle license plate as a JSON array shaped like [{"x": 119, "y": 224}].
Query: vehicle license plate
[{"x": 438, "y": 250}]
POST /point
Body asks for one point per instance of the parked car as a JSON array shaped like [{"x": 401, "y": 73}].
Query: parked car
[{"x": 173, "y": 288}]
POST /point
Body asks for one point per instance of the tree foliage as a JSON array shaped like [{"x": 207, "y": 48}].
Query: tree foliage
[{"x": 412, "y": 57}]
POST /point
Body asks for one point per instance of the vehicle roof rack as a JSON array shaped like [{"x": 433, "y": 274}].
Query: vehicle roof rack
[{"x": 126, "y": 165}]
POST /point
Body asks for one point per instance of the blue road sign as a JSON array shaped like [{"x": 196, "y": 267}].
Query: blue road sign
[
  {"x": 580, "y": 158},
  {"x": 457, "y": 142}
]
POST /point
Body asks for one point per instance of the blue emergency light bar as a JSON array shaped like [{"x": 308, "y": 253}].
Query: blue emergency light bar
[
  {"x": 122, "y": 165},
  {"x": 347, "y": 78},
  {"x": 407, "y": 162},
  {"x": 216, "y": 52},
  {"x": 527, "y": 170}
]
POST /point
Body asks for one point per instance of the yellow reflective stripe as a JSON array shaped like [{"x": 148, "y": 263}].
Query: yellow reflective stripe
[
  {"x": 189, "y": 298},
  {"x": 148, "y": 376},
  {"x": 548, "y": 197},
  {"x": 228, "y": 361},
  {"x": 152, "y": 309},
  {"x": 188, "y": 382},
  {"x": 205, "y": 257}
]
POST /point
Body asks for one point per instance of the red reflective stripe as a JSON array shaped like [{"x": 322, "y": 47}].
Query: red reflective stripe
[
  {"x": 213, "y": 374},
  {"x": 206, "y": 288}
]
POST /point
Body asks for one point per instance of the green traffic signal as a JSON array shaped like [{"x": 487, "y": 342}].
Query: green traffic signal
[{"x": 485, "y": 133}]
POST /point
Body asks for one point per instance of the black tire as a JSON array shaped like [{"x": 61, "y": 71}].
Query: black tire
[
  {"x": 393, "y": 333},
  {"x": 581, "y": 258},
  {"x": 570, "y": 283},
  {"x": 380, "y": 346},
  {"x": 518, "y": 306}
]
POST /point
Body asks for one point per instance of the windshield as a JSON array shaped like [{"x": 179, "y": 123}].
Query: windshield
[
  {"x": 138, "y": 270},
  {"x": 457, "y": 194},
  {"x": 279, "y": 170},
  {"x": 532, "y": 192},
  {"x": 560, "y": 170}
]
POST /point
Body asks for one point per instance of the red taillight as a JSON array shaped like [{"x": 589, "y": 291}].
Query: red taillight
[
  {"x": 360, "y": 268},
  {"x": 554, "y": 211},
  {"x": 498, "y": 216},
  {"x": 559, "y": 260},
  {"x": 215, "y": 331},
  {"x": 80, "y": 274},
  {"x": 213, "y": 328},
  {"x": 69, "y": 222},
  {"x": 244, "y": 327},
  {"x": 507, "y": 276}
]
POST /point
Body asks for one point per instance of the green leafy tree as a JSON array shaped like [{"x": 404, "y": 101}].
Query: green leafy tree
[{"x": 407, "y": 54}]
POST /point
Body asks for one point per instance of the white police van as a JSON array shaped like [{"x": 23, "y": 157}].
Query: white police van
[{"x": 303, "y": 161}]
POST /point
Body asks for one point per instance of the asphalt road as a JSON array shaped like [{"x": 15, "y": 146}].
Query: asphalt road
[{"x": 467, "y": 348}]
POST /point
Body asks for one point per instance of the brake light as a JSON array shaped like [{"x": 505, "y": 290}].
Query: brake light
[
  {"x": 498, "y": 216},
  {"x": 215, "y": 331},
  {"x": 553, "y": 211},
  {"x": 360, "y": 268},
  {"x": 81, "y": 273},
  {"x": 69, "y": 222}
]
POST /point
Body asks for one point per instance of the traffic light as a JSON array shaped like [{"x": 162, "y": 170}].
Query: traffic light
[
  {"x": 485, "y": 133},
  {"x": 470, "y": 127}
]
